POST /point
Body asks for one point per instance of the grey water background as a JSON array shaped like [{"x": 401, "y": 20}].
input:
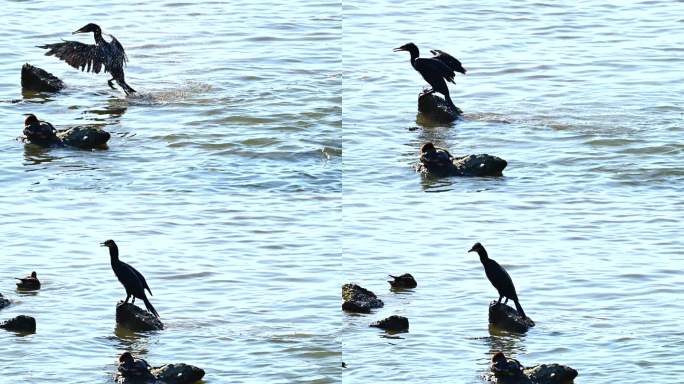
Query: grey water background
[
  {"x": 221, "y": 185},
  {"x": 584, "y": 100}
]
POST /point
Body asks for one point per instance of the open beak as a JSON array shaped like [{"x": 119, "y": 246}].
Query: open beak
[{"x": 398, "y": 49}]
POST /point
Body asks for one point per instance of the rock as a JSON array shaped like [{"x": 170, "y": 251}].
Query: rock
[
  {"x": 136, "y": 319},
  {"x": 84, "y": 137},
  {"x": 36, "y": 79},
  {"x": 403, "y": 281},
  {"x": 359, "y": 299},
  {"x": 137, "y": 371},
  {"x": 3, "y": 302},
  {"x": 178, "y": 373},
  {"x": 551, "y": 374},
  {"x": 436, "y": 109},
  {"x": 470, "y": 165},
  {"x": 21, "y": 323},
  {"x": 393, "y": 323},
  {"x": 510, "y": 371},
  {"x": 506, "y": 318}
]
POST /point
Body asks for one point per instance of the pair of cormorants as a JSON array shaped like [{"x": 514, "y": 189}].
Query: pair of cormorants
[
  {"x": 109, "y": 56},
  {"x": 132, "y": 280},
  {"x": 435, "y": 70}
]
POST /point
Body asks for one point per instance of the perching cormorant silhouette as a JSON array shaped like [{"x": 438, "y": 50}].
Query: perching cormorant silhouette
[
  {"x": 132, "y": 280},
  {"x": 499, "y": 278},
  {"x": 92, "y": 58},
  {"x": 435, "y": 69}
]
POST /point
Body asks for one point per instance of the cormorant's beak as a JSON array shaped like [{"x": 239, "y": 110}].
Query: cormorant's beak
[
  {"x": 78, "y": 31},
  {"x": 472, "y": 250},
  {"x": 399, "y": 49},
  {"x": 103, "y": 245}
]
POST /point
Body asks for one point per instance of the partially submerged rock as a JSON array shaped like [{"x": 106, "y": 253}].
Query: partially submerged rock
[
  {"x": 435, "y": 108},
  {"x": 36, "y": 79},
  {"x": 84, "y": 137},
  {"x": 403, "y": 281},
  {"x": 136, "y": 319},
  {"x": 21, "y": 323},
  {"x": 439, "y": 162},
  {"x": 506, "y": 318},
  {"x": 137, "y": 371},
  {"x": 3, "y": 302},
  {"x": 359, "y": 299},
  {"x": 509, "y": 371},
  {"x": 393, "y": 323}
]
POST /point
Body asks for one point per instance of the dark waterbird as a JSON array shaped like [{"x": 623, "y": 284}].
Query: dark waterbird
[
  {"x": 499, "y": 278},
  {"x": 39, "y": 132},
  {"x": 435, "y": 70},
  {"x": 93, "y": 58},
  {"x": 430, "y": 155},
  {"x": 29, "y": 282},
  {"x": 132, "y": 280}
]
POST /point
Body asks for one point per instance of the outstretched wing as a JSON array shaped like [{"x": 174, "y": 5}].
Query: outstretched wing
[
  {"x": 451, "y": 62},
  {"x": 85, "y": 57}
]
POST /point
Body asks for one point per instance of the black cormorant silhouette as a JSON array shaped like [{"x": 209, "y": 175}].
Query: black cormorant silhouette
[
  {"x": 132, "y": 280},
  {"x": 92, "y": 58},
  {"x": 498, "y": 277},
  {"x": 403, "y": 281},
  {"x": 29, "y": 282},
  {"x": 442, "y": 66}
]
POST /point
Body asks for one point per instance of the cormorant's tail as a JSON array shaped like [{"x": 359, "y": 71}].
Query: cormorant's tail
[
  {"x": 518, "y": 307},
  {"x": 149, "y": 306},
  {"x": 126, "y": 88}
]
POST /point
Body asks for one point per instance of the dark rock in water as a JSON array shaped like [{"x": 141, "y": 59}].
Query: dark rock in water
[
  {"x": 439, "y": 162},
  {"x": 178, "y": 373},
  {"x": 21, "y": 323},
  {"x": 137, "y": 371},
  {"x": 393, "y": 323},
  {"x": 436, "y": 109},
  {"x": 136, "y": 319},
  {"x": 36, "y": 79},
  {"x": 84, "y": 137},
  {"x": 403, "y": 281},
  {"x": 510, "y": 371},
  {"x": 551, "y": 374},
  {"x": 359, "y": 299},
  {"x": 3, "y": 302},
  {"x": 506, "y": 318}
]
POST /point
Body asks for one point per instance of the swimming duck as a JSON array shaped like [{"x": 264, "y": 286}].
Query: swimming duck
[
  {"x": 44, "y": 134},
  {"x": 134, "y": 369},
  {"x": 29, "y": 282},
  {"x": 403, "y": 281},
  {"x": 40, "y": 132}
]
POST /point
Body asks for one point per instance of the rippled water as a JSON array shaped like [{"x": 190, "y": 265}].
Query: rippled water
[
  {"x": 221, "y": 184},
  {"x": 584, "y": 101}
]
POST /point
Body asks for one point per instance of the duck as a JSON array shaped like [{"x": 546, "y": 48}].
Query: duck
[
  {"x": 29, "y": 282},
  {"x": 403, "y": 281}
]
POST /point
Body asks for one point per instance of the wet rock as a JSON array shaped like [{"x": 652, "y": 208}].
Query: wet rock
[
  {"x": 509, "y": 371},
  {"x": 436, "y": 109},
  {"x": 178, "y": 373},
  {"x": 506, "y": 318},
  {"x": 403, "y": 281},
  {"x": 393, "y": 323},
  {"x": 28, "y": 283},
  {"x": 439, "y": 162},
  {"x": 359, "y": 299},
  {"x": 137, "y": 371},
  {"x": 551, "y": 374},
  {"x": 3, "y": 302},
  {"x": 36, "y": 79},
  {"x": 21, "y": 323},
  {"x": 84, "y": 137},
  {"x": 136, "y": 319}
]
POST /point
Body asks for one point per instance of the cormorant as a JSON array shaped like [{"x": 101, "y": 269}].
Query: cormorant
[
  {"x": 39, "y": 132},
  {"x": 432, "y": 156},
  {"x": 92, "y": 58},
  {"x": 403, "y": 281},
  {"x": 435, "y": 69},
  {"x": 132, "y": 280},
  {"x": 29, "y": 282},
  {"x": 499, "y": 278}
]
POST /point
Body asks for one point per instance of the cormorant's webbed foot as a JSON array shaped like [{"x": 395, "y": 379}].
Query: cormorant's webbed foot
[{"x": 110, "y": 83}]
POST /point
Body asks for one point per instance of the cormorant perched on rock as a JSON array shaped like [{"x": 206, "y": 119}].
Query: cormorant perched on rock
[
  {"x": 29, "y": 282},
  {"x": 499, "y": 278},
  {"x": 132, "y": 280},
  {"x": 39, "y": 132},
  {"x": 92, "y": 58},
  {"x": 442, "y": 66}
]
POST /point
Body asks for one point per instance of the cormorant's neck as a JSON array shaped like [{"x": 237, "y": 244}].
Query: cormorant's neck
[
  {"x": 414, "y": 54},
  {"x": 483, "y": 255},
  {"x": 98, "y": 38},
  {"x": 114, "y": 254}
]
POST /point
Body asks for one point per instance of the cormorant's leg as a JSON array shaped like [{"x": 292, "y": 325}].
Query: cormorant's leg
[
  {"x": 110, "y": 83},
  {"x": 499, "y": 302},
  {"x": 505, "y": 301},
  {"x": 128, "y": 297},
  {"x": 133, "y": 302}
]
